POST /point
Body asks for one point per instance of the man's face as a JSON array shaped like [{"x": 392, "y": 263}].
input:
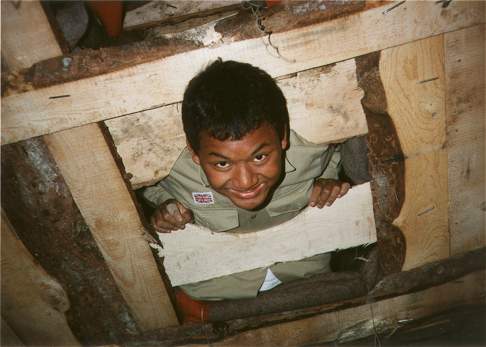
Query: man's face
[{"x": 245, "y": 170}]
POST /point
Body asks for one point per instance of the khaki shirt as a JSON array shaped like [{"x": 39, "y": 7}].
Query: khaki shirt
[{"x": 304, "y": 163}]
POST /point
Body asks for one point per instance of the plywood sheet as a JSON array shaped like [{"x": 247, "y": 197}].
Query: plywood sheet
[
  {"x": 196, "y": 254},
  {"x": 154, "y": 84},
  {"x": 414, "y": 83},
  {"x": 464, "y": 66},
  {"x": 324, "y": 106}
]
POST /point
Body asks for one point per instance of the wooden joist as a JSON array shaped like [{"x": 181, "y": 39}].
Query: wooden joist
[
  {"x": 414, "y": 82},
  {"x": 100, "y": 192},
  {"x": 324, "y": 106},
  {"x": 151, "y": 85},
  {"x": 197, "y": 254},
  {"x": 465, "y": 116}
]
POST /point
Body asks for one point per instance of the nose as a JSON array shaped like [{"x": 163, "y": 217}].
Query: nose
[{"x": 244, "y": 178}]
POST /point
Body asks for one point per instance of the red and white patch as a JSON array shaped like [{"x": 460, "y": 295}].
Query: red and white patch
[{"x": 203, "y": 198}]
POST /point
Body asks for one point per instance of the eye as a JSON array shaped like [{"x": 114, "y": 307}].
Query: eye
[
  {"x": 222, "y": 164},
  {"x": 260, "y": 157}
]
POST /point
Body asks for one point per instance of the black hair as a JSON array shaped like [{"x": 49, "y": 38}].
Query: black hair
[{"x": 230, "y": 99}]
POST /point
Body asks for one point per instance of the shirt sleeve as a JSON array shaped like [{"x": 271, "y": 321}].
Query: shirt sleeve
[
  {"x": 156, "y": 195},
  {"x": 332, "y": 169}
]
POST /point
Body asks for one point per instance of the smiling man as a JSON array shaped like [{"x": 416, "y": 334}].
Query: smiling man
[{"x": 243, "y": 170}]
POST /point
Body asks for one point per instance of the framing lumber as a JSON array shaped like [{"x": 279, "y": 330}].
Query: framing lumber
[
  {"x": 414, "y": 82},
  {"x": 24, "y": 24},
  {"x": 324, "y": 106},
  {"x": 162, "y": 82},
  {"x": 465, "y": 116},
  {"x": 97, "y": 186},
  {"x": 197, "y": 254},
  {"x": 33, "y": 302}
]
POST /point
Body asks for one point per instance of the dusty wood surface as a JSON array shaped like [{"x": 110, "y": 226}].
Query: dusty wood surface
[
  {"x": 324, "y": 106},
  {"x": 27, "y": 26},
  {"x": 47, "y": 220},
  {"x": 465, "y": 97},
  {"x": 95, "y": 181},
  {"x": 386, "y": 167},
  {"x": 414, "y": 83},
  {"x": 81, "y": 102},
  {"x": 197, "y": 254},
  {"x": 160, "y": 12},
  {"x": 33, "y": 303}
]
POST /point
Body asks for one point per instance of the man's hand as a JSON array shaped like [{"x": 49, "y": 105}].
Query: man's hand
[
  {"x": 326, "y": 191},
  {"x": 171, "y": 215}
]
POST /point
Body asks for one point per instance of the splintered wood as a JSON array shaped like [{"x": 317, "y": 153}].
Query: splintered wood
[
  {"x": 197, "y": 254},
  {"x": 324, "y": 106}
]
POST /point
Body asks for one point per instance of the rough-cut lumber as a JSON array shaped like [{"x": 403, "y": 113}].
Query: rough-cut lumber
[
  {"x": 196, "y": 254},
  {"x": 324, "y": 106},
  {"x": 99, "y": 190},
  {"x": 33, "y": 303},
  {"x": 47, "y": 221},
  {"x": 465, "y": 107},
  {"x": 27, "y": 37},
  {"x": 158, "y": 12},
  {"x": 414, "y": 82},
  {"x": 161, "y": 82}
]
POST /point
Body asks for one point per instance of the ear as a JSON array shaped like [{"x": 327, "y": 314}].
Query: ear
[
  {"x": 195, "y": 157},
  {"x": 285, "y": 140}
]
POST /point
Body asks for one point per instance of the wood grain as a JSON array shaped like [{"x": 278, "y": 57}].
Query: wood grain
[
  {"x": 414, "y": 82},
  {"x": 464, "y": 66},
  {"x": 97, "y": 186},
  {"x": 324, "y": 106},
  {"x": 33, "y": 302},
  {"x": 196, "y": 254},
  {"x": 29, "y": 37},
  {"x": 154, "y": 84}
]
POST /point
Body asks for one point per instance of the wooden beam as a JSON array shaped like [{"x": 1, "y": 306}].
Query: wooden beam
[
  {"x": 162, "y": 82},
  {"x": 33, "y": 303},
  {"x": 414, "y": 82},
  {"x": 197, "y": 254},
  {"x": 99, "y": 190},
  {"x": 27, "y": 38},
  {"x": 465, "y": 116},
  {"x": 324, "y": 106}
]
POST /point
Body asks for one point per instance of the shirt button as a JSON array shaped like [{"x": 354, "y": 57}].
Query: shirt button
[{"x": 253, "y": 216}]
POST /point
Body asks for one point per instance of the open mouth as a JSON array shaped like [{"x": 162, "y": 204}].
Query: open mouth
[{"x": 249, "y": 194}]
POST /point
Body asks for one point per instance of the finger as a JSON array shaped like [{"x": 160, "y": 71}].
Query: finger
[
  {"x": 186, "y": 213},
  {"x": 159, "y": 225},
  {"x": 174, "y": 212},
  {"x": 314, "y": 198},
  {"x": 324, "y": 196},
  {"x": 344, "y": 189},
  {"x": 333, "y": 196}
]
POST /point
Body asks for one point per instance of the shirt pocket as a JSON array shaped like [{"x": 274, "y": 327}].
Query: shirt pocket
[
  {"x": 290, "y": 199},
  {"x": 216, "y": 219}
]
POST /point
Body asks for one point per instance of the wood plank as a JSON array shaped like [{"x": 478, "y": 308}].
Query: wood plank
[
  {"x": 414, "y": 82},
  {"x": 97, "y": 186},
  {"x": 158, "y": 12},
  {"x": 33, "y": 302},
  {"x": 324, "y": 106},
  {"x": 196, "y": 254},
  {"x": 162, "y": 82},
  {"x": 376, "y": 317},
  {"x": 464, "y": 66},
  {"x": 27, "y": 26}
]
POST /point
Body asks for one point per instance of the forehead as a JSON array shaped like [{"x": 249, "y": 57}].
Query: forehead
[{"x": 263, "y": 135}]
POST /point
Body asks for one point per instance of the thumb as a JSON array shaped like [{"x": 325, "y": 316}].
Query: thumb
[{"x": 185, "y": 212}]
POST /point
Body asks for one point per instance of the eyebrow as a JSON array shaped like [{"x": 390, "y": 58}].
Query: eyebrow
[{"x": 253, "y": 153}]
